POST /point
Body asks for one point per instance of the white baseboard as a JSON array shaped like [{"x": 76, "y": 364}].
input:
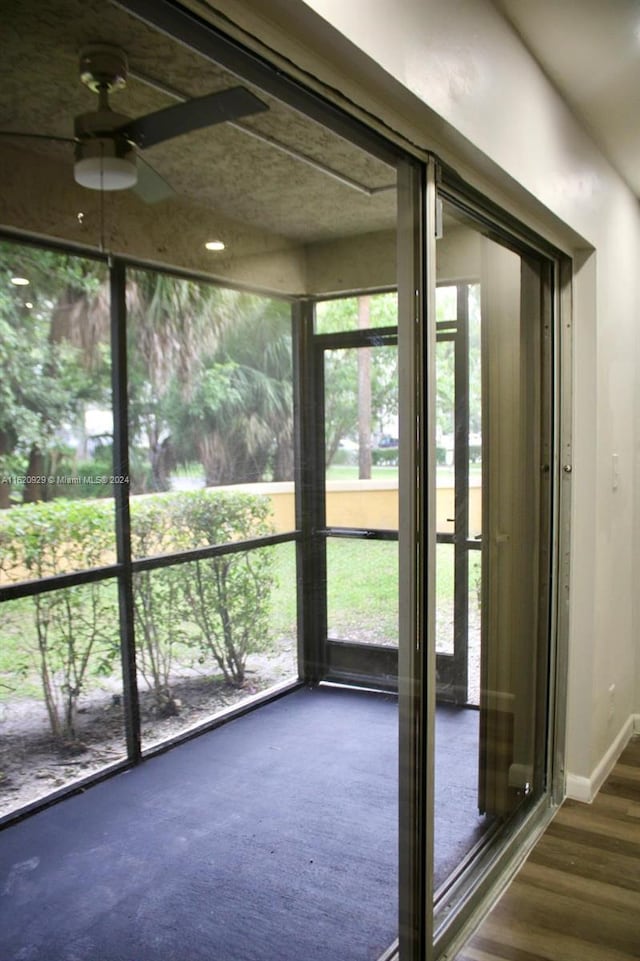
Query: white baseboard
[{"x": 585, "y": 788}]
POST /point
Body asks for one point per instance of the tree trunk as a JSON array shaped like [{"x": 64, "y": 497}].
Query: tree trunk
[
  {"x": 162, "y": 463},
  {"x": 34, "y": 490},
  {"x": 283, "y": 460},
  {"x": 213, "y": 459},
  {"x": 364, "y": 395},
  {"x": 5, "y": 485}
]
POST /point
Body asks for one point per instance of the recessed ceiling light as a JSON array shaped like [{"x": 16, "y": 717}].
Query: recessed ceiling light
[
  {"x": 20, "y": 281},
  {"x": 214, "y": 245}
]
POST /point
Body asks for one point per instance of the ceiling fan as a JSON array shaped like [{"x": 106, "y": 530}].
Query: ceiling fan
[{"x": 108, "y": 144}]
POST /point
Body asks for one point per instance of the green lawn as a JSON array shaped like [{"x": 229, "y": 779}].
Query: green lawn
[
  {"x": 362, "y": 585},
  {"x": 348, "y": 472},
  {"x": 362, "y": 590},
  {"x": 283, "y": 596},
  {"x": 444, "y": 475},
  {"x": 14, "y": 661}
]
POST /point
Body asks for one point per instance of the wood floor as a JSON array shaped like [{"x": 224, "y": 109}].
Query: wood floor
[{"x": 577, "y": 898}]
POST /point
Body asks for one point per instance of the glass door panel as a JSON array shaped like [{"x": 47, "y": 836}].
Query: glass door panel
[
  {"x": 493, "y": 440},
  {"x": 452, "y": 492},
  {"x": 516, "y": 499}
]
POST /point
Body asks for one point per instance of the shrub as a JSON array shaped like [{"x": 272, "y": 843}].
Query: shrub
[
  {"x": 385, "y": 457},
  {"x": 158, "y": 600},
  {"x": 216, "y": 607},
  {"x": 75, "y": 628},
  {"x": 228, "y": 594}
]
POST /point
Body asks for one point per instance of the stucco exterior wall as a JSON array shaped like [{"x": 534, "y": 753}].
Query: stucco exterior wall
[{"x": 372, "y": 504}]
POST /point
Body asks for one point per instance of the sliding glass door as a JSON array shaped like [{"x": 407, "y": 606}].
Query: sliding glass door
[
  {"x": 516, "y": 551},
  {"x": 494, "y": 437}
]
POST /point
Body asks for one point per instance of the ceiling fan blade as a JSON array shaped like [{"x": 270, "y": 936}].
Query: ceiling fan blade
[
  {"x": 191, "y": 115},
  {"x": 151, "y": 187},
  {"x": 37, "y": 136}
]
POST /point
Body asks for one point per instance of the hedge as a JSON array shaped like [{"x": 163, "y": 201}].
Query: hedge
[{"x": 210, "y": 610}]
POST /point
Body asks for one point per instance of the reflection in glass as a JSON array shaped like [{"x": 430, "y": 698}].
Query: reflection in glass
[
  {"x": 352, "y": 313},
  {"x": 60, "y": 690},
  {"x": 211, "y": 633},
  {"x": 362, "y": 591}
]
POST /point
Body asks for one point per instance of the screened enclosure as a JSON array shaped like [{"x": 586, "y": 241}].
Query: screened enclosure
[{"x": 245, "y": 471}]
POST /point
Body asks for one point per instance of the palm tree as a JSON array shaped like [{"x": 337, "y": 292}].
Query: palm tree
[
  {"x": 259, "y": 341},
  {"x": 172, "y": 322},
  {"x": 239, "y": 414}
]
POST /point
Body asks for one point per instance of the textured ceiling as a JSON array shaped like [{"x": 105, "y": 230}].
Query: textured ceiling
[{"x": 220, "y": 169}]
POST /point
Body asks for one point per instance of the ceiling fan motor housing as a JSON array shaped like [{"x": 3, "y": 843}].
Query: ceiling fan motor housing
[
  {"x": 100, "y": 123},
  {"x": 104, "y": 160}
]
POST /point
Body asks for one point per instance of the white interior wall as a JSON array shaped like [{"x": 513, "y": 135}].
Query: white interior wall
[{"x": 452, "y": 76}]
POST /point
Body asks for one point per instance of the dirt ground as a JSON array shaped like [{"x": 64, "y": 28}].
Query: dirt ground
[{"x": 32, "y": 766}]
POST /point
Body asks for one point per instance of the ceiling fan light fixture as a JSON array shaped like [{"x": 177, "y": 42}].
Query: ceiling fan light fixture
[{"x": 100, "y": 165}]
